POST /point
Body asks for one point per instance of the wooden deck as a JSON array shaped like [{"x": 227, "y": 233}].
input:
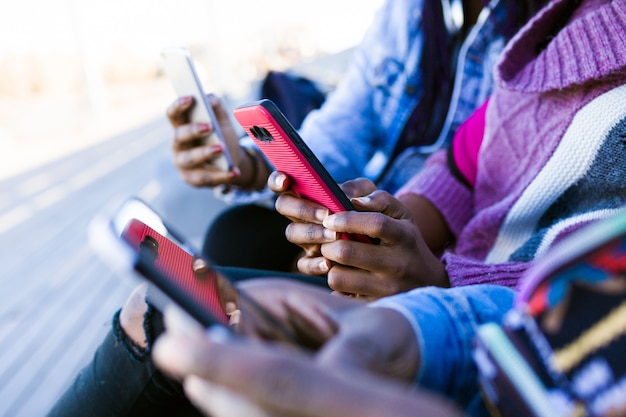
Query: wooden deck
[{"x": 57, "y": 298}]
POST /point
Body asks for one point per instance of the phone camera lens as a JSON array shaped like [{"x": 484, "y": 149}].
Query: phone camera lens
[
  {"x": 149, "y": 249},
  {"x": 261, "y": 134}
]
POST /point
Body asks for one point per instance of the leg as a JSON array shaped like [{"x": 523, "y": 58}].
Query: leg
[
  {"x": 250, "y": 236},
  {"x": 121, "y": 379}
]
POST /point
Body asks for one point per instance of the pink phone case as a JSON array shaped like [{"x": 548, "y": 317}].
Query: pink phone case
[
  {"x": 172, "y": 272},
  {"x": 281, "y": 144}
]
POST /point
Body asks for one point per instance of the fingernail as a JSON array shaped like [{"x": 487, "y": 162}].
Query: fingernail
[
  {"x": 216, "y": 149},
  {"x": 324, "y": 266},
  {"x": 321, "y": 214},
  {"x": 329, "y": 222},
  {"x": 280, "y": 181},
  {"x": 212, "y": 99},
  {"x": 199, "y": 265},
  {"x": 218, "y": 334},
  {"x": 362, "y": 200},
  {"x": 329, "y": 234},
  {"x": 185, "y": 100},
  {"x": 235, "y": 173},
  {"x": 204, "y": 127}
]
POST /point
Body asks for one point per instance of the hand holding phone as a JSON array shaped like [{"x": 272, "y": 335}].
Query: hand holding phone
[
  {"x": 135, "y": 239},
  {"x": 186, "y": 82},
  {"x": 284, "y": 148}
]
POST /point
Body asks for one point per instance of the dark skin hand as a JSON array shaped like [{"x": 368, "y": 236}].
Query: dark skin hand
[
  {"x": 405, "y": 259},
  {"x": 266, "y": 379},
  {"x": 344, "y": 332},
  {"x": 193, "y": 159},
  {"x": 226, "y": 378}
]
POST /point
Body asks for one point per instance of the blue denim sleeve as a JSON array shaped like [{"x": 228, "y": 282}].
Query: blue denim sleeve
[
  {"x": 445, "y": 322},
  {"x": 356, "y": 130}
]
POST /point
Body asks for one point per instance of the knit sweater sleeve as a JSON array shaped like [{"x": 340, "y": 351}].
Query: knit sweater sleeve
[
  {"x": 467, "y": 271},
  {"x": 436, "y": 183}
]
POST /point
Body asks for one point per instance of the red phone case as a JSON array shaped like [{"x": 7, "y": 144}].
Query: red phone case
[
  {"x": 281, "y": 144},
  {"x": 172, "y": 272}
]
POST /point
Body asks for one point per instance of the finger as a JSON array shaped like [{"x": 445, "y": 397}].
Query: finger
[
  {"x": 284, "y": 383},
  {"x": 374, "y": 339},
  {"x": 177, "y": 321},
  {"x": 278, "y": 182},
  {"x": 355, "y": 281},
  {"x": 373, "y": 224},
  {"x": 178, "y": 111},
  {"x": 221, "y": 115},
  {"x": 217, "y": 401},
  {"x": 197, "y": 156},
  {"x": 313, "y": 266},
  {"x": 187, "y": 135},
  {"x": 279, "y": 381},
  {"x": 301, "y": 210},
  {"x": 358, "y": 187},
  {"x": 309, "y": 233},
  {"x": 208, "y": 177},
  {"x": 263, "y": 373},
  {"x": 382, "y": 202},
  {"x": 374, "y": 258},
  {"x": 307, "y": 310},
  {"x": 312, "y": 251}
]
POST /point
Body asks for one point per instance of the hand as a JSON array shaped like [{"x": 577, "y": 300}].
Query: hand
[
  {"x": 224, "y": 376},
  {"x": 307, "y": 314},
  {"x": 307, "y": 230},
  {"x": 401, "y": 262},
  {"x": 379, "y": 340},
  {"x": 345, "y": 332},
  {"x": 193, "y": 159}
]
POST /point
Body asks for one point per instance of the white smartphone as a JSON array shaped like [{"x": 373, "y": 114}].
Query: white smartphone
[{"x": 184, "y": 77}]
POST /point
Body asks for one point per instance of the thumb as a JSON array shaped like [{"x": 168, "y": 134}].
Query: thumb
[
  {"x": 382, "y": 202},
  {"x": 218, "y": 108},
  {"x": 379, "y": 340}
]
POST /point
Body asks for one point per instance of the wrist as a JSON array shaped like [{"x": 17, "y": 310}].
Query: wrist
[{"x": 250, "y": 167}]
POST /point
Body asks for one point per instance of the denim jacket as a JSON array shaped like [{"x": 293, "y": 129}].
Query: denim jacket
[
  {"x": 445, "y": 321},
  {"x": 357, "y": 128}
]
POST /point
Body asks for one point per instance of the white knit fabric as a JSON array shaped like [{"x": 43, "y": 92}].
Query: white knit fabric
[{"x": 567, "y": 165}]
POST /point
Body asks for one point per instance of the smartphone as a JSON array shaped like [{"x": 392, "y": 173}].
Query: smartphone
[
  {"x": 181, "y": 71},
  {"x": 134, "y": 240},
  {"x": 284, "y": 148}
]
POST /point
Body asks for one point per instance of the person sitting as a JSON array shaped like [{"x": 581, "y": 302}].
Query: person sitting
[
  {"x": 416, "y": 76},
  {"x": 538, "y": 161}
]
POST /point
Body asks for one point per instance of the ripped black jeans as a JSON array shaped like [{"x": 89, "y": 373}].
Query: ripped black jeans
[{"x": 121, "y": 380}]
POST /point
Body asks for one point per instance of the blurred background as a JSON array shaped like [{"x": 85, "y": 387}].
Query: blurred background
[
  {"x": 82, "y": 103},
  {"x": 86, "y": 69}
]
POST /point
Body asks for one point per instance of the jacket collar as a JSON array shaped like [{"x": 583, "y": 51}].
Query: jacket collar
[{"x": 597, "y": 40}]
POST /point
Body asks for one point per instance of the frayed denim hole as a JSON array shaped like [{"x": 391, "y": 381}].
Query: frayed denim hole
[{"x": 136, "y": 353}]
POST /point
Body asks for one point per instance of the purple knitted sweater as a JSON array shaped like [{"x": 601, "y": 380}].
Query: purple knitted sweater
[{"x": 553, "y": 156}]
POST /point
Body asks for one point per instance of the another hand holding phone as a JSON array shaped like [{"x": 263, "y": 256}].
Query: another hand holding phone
[
  {"x": 133, "y": 238},
  {"x": 338, "y": 239},
  {"x": 205, "y": 146},
  {"x": 401, "y": 262},
  {"x": 194, "y": 157},
  {"x": 281, "y": 144}
]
